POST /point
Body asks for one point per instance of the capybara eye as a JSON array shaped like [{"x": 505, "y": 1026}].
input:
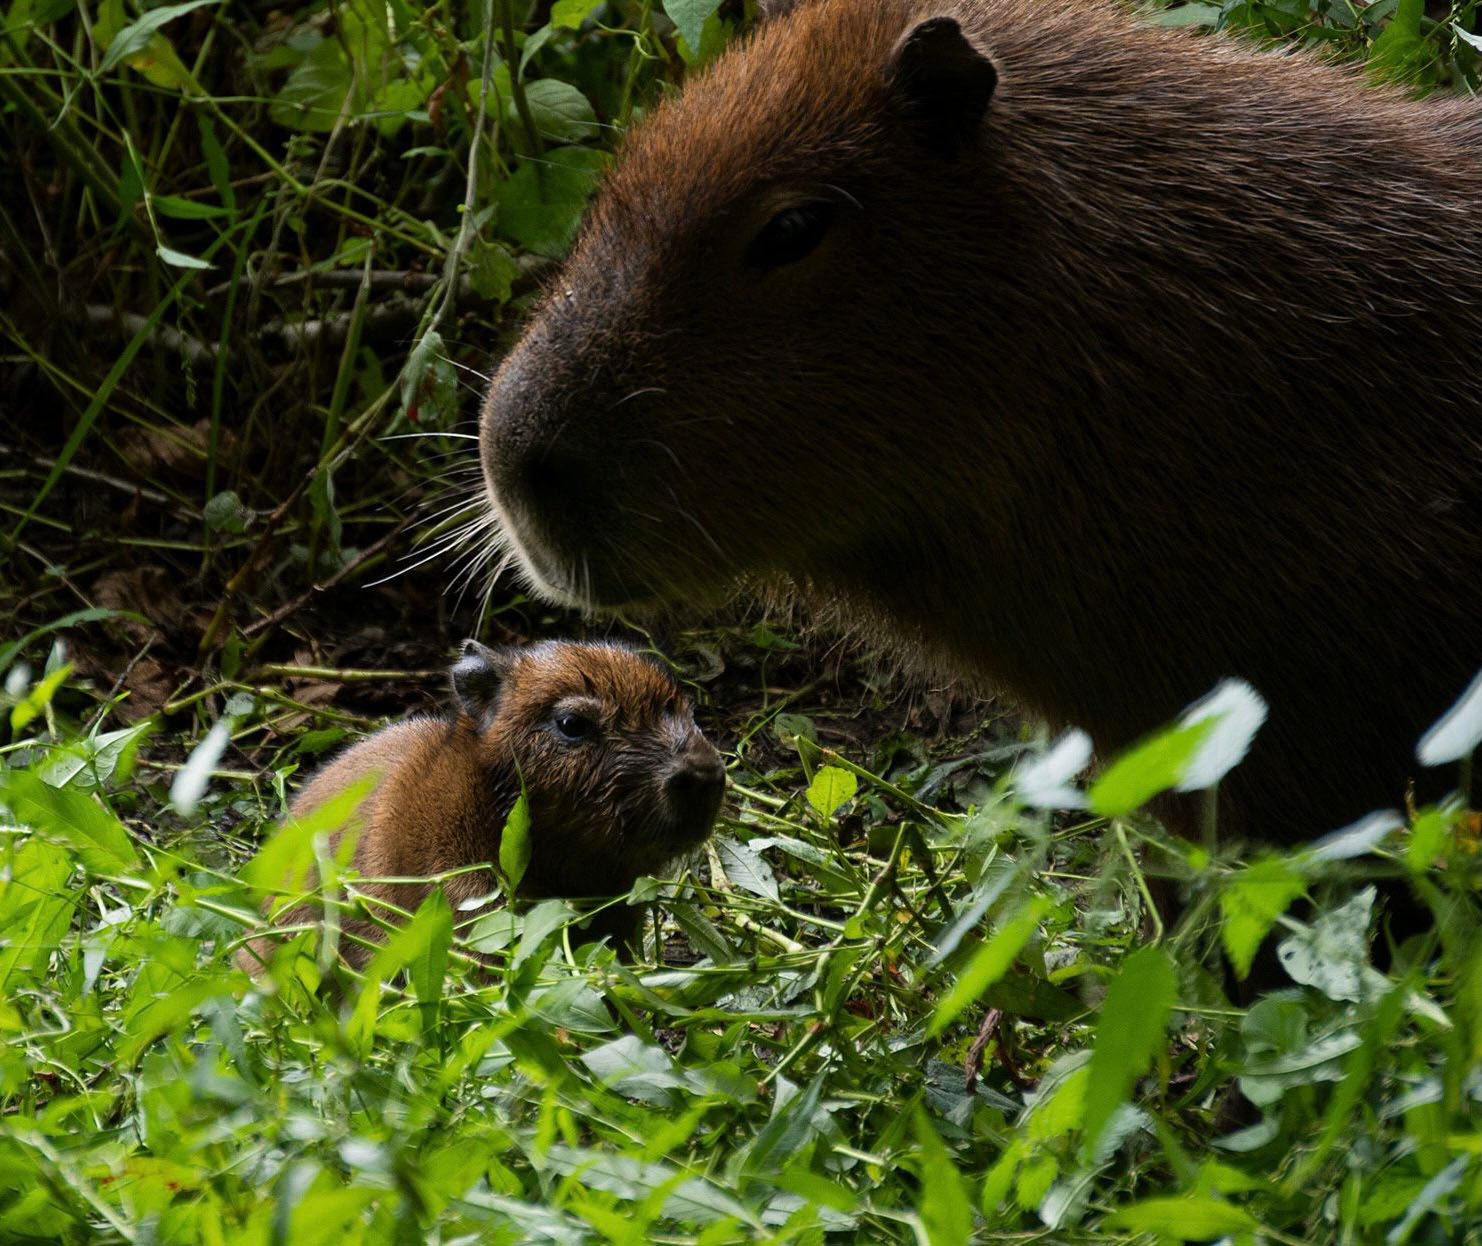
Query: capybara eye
[
  {"x": 790, "y": 235},
  {"x": 572, "y": 727}
]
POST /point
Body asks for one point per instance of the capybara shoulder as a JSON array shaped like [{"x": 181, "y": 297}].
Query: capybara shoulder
[{"x": 1092, "y": 360}]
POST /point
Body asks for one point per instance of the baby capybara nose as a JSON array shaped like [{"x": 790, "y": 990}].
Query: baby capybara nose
[{"x": 694, "y": 787}]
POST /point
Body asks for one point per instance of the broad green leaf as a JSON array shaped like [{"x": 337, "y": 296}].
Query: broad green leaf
[
  {"x": 36, "y": 906},
  {"x": 945, "y": 1209},
  {"x": 541, "y": 204},
  {"x": 832, "y": 787},
  {"x": 561, "y": 113},
  {"x": 689, "y": 17},
  {"x": 71, "y": 817},
  {"x": 1129, "y": 1031},
  {"x": 989, "y": 963},
  {"x": 92, "y": 762},
  {"x": 315, "y": 93},
  {"x": 570, "y": 14},
  {"x": 514, "y": 843},
  {"x": 1250, "y": 903},
  {"x": 1399, "y": 44},
  {"x": 793, "y": 1126},
  {"x": 1156, "y": 765},
  {"x": 143, "y": 46},
  {"x": 492, "y": 270},
  {"x": 1192, "y": 1218},
  {"x": 420, "y": 947}
]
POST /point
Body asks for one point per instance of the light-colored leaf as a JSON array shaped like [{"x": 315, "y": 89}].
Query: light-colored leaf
[
  {"x": 746, "y": 868},
  {"x": 1457, "y": 732},
  {"x": 1237, "y": 711},
  {"x": 1046, "y": 782},
  {"x": 134, "y": 37}
]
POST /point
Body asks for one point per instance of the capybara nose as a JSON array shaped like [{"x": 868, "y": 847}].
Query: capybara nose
[{"x": 694, "y": 787}]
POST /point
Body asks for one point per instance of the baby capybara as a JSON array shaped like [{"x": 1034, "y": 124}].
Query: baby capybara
[{"x": 618, "y": 781}]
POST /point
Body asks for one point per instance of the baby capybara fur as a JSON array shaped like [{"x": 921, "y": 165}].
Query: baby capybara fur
[
  {"x": 1086, "y": 359},
  {"x": 618, "y": 781}
]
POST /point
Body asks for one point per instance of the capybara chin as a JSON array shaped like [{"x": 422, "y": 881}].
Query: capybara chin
[
  {"x": 617, "y": 777},
  {"x": 1091, "y": 360}
]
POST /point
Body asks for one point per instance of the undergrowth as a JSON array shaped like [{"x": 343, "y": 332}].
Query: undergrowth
[{"x": 864, "y": 1017}]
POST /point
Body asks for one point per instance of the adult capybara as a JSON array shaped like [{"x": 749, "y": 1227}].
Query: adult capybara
[
  {"x": 1097, "y": 360},
  {"x": 617, "y": 777}
]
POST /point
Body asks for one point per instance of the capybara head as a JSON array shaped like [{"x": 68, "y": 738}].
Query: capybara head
[
  {"x": 742, "y": 316},
  {"x": 617, "y": 776}
]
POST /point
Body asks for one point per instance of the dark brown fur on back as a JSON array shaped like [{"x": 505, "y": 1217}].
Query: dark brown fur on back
[
  {"x": 1170, "y": 375},
  {"x": 599, "y": 810}
]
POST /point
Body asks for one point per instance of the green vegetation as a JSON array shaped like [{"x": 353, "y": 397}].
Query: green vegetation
[{"x": 252, "y": 269}]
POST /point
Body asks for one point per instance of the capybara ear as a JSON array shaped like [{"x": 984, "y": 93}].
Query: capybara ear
[
  {"x": 477, "y": 677},
  {"x": 767, "y": 10},
  {"x": 944, "y": 82}
]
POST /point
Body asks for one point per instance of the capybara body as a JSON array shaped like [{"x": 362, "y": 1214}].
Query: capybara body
[
  {"x": 617, "y": 777},
  {"x": 1094, "y": 361}
]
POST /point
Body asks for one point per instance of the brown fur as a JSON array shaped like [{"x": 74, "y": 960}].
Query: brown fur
[
  {"x": 1170, "y": 374},
  {"x": 600, "y": 812}
]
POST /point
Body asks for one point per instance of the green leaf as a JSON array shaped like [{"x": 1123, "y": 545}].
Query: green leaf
[
  {"x": 187, "y": 209},
  {"x": 1399, "y": 45},
  {"x": 1153, "y": 766},
  {"x": 832, "y": 787},
  {"x": 36, "y": 701},
  {"x": 746, "y": 868},
  {"x": 793, "y": 1126},
  {"x": 35, "y": 910},
  {"x": 541, "y": 204},
  {"x": 689, "y": 17},
  {"x": 1128, "y": 1032},
  {"x": 945, "y": 1209},
  {"x": 315, "y": 93},
  {"x": 429, "y": 963},
  {"x": 514, "y": 843},
  {"x": 94, "y": 614},
  {"x": 135, "y": 37},
  {"x": 570, "y": 14},
  {"x": 989, "y": 964},
  {"x": 561, "y": 113},
  {"x": 1250, "y": 903},
  {"x": 1187, "y": 1219},
  {"x": 492, "y": 271},
  {"x": 68, "y": 816}
]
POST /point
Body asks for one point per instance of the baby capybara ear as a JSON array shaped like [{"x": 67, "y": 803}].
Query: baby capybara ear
[{"x": 478, "y": 676}]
